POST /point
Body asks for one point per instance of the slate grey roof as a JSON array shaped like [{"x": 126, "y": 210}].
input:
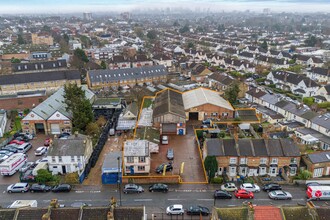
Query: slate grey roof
[
  {"x": 322, "y": 120},
  {"x": 223, "y": 79},
  {"x": 321, "y": 71},
  {"x": 229, "y": 147},
  {"x": 214, "y": 147},
  {"x": 73, "y": 146},
  {"x": 257, "y": 93},
  {"x": 39, "y": 66},
  {"x": 293, "y": 78},
  {"x": 272, "y": 99},
  {"x": 133, "y": 108},
  {"x": 289, "y": 148},
  {"x": 260, "y": 148},
  {"x": 126, "y": 74},
  {"x": 244, "y": 146},
  {"x": 169, "y": 101},
  {"x": 274, "y": 147},
  {"x": 320, "y": 157},
  {"x": 39, "y": 77}
]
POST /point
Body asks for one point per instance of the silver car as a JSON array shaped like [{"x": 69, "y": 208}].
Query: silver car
[
  {"x": 170, "y": 154},
  {"x": 279, "y": 194},
  {"x": 18, "y": 187}
]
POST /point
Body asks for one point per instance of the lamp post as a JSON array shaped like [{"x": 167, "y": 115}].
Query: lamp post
[{"x": 118, "y": 181}]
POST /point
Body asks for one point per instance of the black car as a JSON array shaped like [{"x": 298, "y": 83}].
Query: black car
[
  {"x": 40, "y": 188},
  {"x": 221, "y": 194},
  {"x": 271, "y": 187},
  {"x": 198, "y": 210},
  {"x": 64, "y": 135},
  {"x": 23, "y": 138},
  {"x": 160, "y": 168},
  {"x": 62, "y": 188},
  {"x": 10, "y": 148},
  {"x": 158, "y": 187}
]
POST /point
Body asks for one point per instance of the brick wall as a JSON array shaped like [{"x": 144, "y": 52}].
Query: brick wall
[{"x": 21, "y": 103}]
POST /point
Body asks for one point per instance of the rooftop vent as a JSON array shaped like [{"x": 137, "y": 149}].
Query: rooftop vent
[{"x": 328, "y": 156}]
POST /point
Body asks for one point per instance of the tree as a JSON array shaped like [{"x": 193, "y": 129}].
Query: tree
[
  {"x": 191, "y": 45},
  {"x": 308, "y": 101},
  {"x": 93, "y": 130},
  {"x": 139, "y": 32},
  {"x": 304, "y": 175},
  {"x": 152, "y": 34},
  {"x": 44, "y": 176},
  {"x": 312, "y": 41},
  {"x": 81, "y": 55},
  {"x": 86, "y": 41},
  {"x": 20, "y": 39},
  {"x": 232, "y": 92},
  {"x": 264, "y": 45},
  {"x": 211, "y": 166},
  {"x": 46, "y": 28},
  {"x": 103, "y": 65},
  {"x": 101, "y": 121},
  {"x": 221, "y": 27},
  {"x": 77, "y": 103},
  {"x": 15, "y": 60},
  {"x": 184, "y": 29}
]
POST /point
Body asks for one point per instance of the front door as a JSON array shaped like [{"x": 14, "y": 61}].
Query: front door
[
  {"x": 243, "y": 171},
  {"x": 232, "y": 171},
  {"x": 63, "y": 169},
  {"x": 273, "y": 171}
]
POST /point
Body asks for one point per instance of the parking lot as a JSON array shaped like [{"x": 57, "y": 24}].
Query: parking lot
[
  {"x": 185, "y": 150},
  {"x": 36, "y": 142}
]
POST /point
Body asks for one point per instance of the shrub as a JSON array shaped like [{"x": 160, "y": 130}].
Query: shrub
[
  {"x": 222, "y": 134},
  {"x": 217, "y": 180},
  {"x": 44, "y": 176},
  {"x": 249, "y": 180},
  {"x": 71, "y": 178}
]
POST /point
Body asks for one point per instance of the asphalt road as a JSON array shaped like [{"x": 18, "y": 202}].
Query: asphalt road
[{"x": 155, "y": 202}]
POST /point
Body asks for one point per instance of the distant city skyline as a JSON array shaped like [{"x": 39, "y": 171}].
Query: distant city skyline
[{"x": 74, "y": 6}]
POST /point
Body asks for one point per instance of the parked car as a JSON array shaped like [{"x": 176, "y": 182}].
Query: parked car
[
  {"x": 198, "y": 210},
  {"x": 164, "y": 139},
  {"x": 18, "y": 187},
  {"x": 175, "y": 210},
  {"x": 312, "y": 184},
  {"x": 62, "y": 188},
  {"x": 26, "y": 166},
  {"x": 41, "y": 160},
  {"x": 230, "y": 187},
  {"x": 7, "y": 152},
  {"x": 279, "y": 194},
  {"x": 243, "y": 194},
  {"x": 64, "y": 135},
  {"x": 133, "y": 188},
  {"x": 207, "y": 122},
  {"x": 17, "y": 142},
  {"x": 23, "y": 148},
  {"x": 222, "y": 194},
  {"x": 3, "y": 157},
  {"x": 160, "y": 168},
  {"x": 158, "y": 187},
  {"x": 40, "y": 151},
  {"x": 250, "y": 187},
  {"x": 22, "y": 138},
  {"x": 170, "y": 154},
  {"x": 271, "y": 187},
  {"x": 47, "y": 142},
  {"x": 27, "y": 134},
  {"x": 40, "y": 188},
  {"x": 11, "y": 147}
]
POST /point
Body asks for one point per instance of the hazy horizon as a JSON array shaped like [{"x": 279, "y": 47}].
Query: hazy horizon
[{"x": 76, "y": 6}]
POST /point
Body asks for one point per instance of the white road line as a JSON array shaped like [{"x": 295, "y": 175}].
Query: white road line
[
  {"x": 205, "y": 199},
  {"x": 142, "y": 200},
  {"x": 175, "y": 199},
  {"x": 276, "y": 200}
]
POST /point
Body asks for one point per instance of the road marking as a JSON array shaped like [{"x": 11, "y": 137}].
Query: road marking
[
  {"x": 142, "y": 200},
  {"x": 278, "y": 200},
  {"x": 175, "y": 199},
  {"x": 205, "y": 199}
]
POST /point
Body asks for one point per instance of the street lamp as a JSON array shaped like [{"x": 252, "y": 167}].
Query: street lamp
[{"x": 118, "y": 181}]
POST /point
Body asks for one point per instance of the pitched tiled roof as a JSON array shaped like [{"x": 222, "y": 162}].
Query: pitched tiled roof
[
  {"x": 245, "y": 148},
  {"x": 39, "y": 66},
  {"x": 169, "y": 101},
  {"x": 129, "y": 213},
  {"x": 223, "y": 79},
  {"x": 229, "y": 146},
  {"x": 260, "y": 148},
  {"x": 214, "y": 147},
  {"x": 95, "y": 213},
  {"x": 267, "y": 212},
  {"x": 257, "y": 93}
]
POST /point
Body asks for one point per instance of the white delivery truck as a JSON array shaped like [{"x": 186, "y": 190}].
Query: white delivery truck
[
  {"x": 12, "y": 164},
  {"x": 23, "y": 203},
  {"x": 318, "y": 192}
]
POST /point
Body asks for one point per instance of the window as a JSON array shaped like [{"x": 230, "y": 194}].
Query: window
[
  {"x": 243, "y": 161},
  {"x": 224, "y": 114},
  {"x": 26, "y": 123},
  {"x": 73, "y": 159},
  {"x": 293, "y": 160},
  {"x": 293, "y": 171},
  {"x": 66, "y": 122},
  {"x": 274, "y": 160},
  {"x": 130, "y": 159},
  {"x": 127, "y": 168},
  {"x": 263, "y": 160},
  {"x": 262, "y": 171},
  {"x": 318, "y": 172},
  {"x": 233, "y": 160},
  {"x": 53, "y": 159},
  {"x": 141, "y": 168},
  {"x": 54, "y": 167},
  {"x": 142, "y": 159},
  {"x": 60, "y": 159}
]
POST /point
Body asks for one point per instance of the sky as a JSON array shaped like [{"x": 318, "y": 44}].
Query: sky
[{"x": 67, "y": 6}]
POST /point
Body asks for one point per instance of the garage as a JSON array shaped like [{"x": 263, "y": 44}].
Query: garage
[
  {"x": 55, "y": 129},
  {"x": 193, "y": 115},
  {"x": 40, "y": 128}
]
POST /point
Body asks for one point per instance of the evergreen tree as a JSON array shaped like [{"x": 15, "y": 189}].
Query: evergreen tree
[
  {"x": 264, "y": 45},
  {"x": 103, "y": 65},
  {"x": 211, "y": 166},
  {"x": 232, "y": 92}
]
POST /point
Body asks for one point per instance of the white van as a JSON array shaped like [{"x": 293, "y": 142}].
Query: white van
[
  {"x": 164, "y": 139},
  {"x": 23, "y": 148},
  {"x": 318, "y": 192},
  {"x": 12, "y": 164}
]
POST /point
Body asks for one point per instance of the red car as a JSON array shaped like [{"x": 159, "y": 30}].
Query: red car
[
  {"x": 17, "y": 142},
  {"x": 243, "y": 194},
  {"x": 47, "y": 142}
]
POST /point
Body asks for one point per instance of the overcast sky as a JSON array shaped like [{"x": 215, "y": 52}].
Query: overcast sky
[{"x": 66, "y": 6}]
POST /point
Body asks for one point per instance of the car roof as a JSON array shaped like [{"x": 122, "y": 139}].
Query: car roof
[
  {"x": 178, "y": 206},
  {"x": 247, "y": 184},
  {"x": 20, "y": 184}
]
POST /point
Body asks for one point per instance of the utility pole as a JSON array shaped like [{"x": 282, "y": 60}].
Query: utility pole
[{"x": 119, "y": 181}]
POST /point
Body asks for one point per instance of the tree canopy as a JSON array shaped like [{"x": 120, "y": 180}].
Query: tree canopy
[
  {"x": 80, "y": 54},
  {"x": 264, "y": 45},
  {"x": 79, "y": 105},
  {"x": 211, "y": 166},
  {"x": 184, "y": 29},
  {"x": 152, "y": 34},
  {"x": 232, "y": 92}
]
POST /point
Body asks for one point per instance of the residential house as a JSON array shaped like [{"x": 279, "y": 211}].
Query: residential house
[
  {"x": 119, "y": 62},
  {"x": 253, "y": 157},
  {"x": 321, "y": 124},
  {"x": 127, "y": 120},
  {"x": 254, "y": 95},
  {"x": 162, "y": 59},
  {"x": 46, "y": 66},
  {"x": 320, "y": 75},
  {"x": 40, "y": 55},
  {"x": 49, "y": 81},
  {"x": 140, "y": 60},
  {"x": 51, "y": 116},
  {"x": 40, "y": 39},
  {"x": 198, "y": 72},
  {"x": 220, "y": 81},
  {"x": 136, "y": 157},
  {"x": 116, "y": 78},
  {"x": 70, "y": 155},
  {"x": 309, "y": 61},
  {"x": 272, "y": 62},
  {"x": 312, "y": 138},
  {"x": 318, "y": 163},
  {"x": 323, "y": 94},
  {"x": 3, "y": 122}
]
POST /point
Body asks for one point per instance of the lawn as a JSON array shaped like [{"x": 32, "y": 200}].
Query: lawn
[
  {"x": 17, "y": 125},
  {"x": 147, "y": 103},
  {"x": 233, "y": 213},
  {"x": 148, "y": 133}
]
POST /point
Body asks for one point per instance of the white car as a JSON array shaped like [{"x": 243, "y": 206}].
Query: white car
[
  {"x": 250, "y": 187},
  {"x": 175, "y": 210},
  {"x": 43, "y": 160},
  {"x": 40, "y": 151},
  {"x": 230, "y": 187}
]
